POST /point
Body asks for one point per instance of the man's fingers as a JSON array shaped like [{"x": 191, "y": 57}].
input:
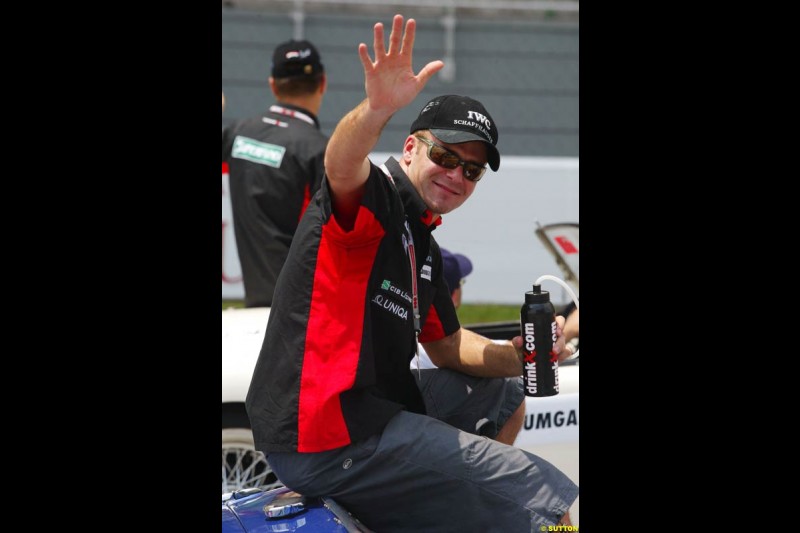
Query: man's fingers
[
  {"x": 429, "y": 70},
  {"x": 363, "y": 53},
  {"x": 397, "y": 32},
  {"x": 377, "y": 43},
  {"x": 408, "y": 37}
]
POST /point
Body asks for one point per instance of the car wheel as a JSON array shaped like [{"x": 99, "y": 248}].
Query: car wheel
[{"x": 242, "y": 466}]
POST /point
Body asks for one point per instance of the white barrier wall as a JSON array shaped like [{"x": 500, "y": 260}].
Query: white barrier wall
[{"x": 494, "y": 228}]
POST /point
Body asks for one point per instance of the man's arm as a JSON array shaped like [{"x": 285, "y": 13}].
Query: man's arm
[
  {"x": 390, "y": 85},
  {"x": 474, "y": 354}
]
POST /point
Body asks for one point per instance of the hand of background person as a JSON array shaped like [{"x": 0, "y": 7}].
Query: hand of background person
[
  {"x": 223, "y": 101},
  {"x": 571, "y": 326},
  {"x": 390, "y": 82}
]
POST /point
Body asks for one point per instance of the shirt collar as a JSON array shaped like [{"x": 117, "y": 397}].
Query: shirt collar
[
  {"x": 287, "y": 109},
  {"x": 415, "y": 206}
]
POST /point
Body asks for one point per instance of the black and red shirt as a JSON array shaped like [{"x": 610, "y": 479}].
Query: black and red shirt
[
  {"x": 334, "y": 366},
  {"x": 276, "y": 163}
]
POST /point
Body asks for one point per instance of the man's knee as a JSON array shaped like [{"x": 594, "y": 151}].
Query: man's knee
[{"x": 508, "y": 433}]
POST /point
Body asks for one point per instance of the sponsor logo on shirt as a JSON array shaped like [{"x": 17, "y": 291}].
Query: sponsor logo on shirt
[
  {"x": 257, "y": 152},
  {"x": 390, "y": 305},
  {"x": 387, "y": 286},
  {"x": 426, "y": 272}
]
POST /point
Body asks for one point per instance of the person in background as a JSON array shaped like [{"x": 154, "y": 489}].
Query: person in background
[
  {"x": 276, "y": 163},
  {"x": 571, "y": 326},
  {"x": 456, "y": 269},
  {"x": 503, "y": 416},
  {"x": 332, "y": 403}
]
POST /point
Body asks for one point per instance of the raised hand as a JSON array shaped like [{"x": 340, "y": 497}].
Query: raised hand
[{"x": 390, "y": 81}]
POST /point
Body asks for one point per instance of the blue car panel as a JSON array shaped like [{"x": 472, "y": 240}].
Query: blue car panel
[
  {"x": 230, "y": 524},
  {"x": 280, "y": 510}
]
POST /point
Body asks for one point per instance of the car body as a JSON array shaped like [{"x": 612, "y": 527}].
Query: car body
[
  {"x": 257, "y": 510},
  {"x": 550, "y": 429}
]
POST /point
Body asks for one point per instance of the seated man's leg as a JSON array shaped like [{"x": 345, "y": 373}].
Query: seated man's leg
[
  {"x": 509, "y": 431},
  {"x": 491, "y": 407},
  {"x": 424, "y": 475}
]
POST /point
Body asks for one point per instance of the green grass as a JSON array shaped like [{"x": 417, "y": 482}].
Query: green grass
[
  {"x": 232, "y": 303},
  {"x": 480, "y": 313},
  {"x": 467, "y": 313}
]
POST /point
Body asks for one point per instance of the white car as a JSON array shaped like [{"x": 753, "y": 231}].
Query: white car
[
  {"x": 550, "y": 429},
  {"x": 242, "y": 336}
]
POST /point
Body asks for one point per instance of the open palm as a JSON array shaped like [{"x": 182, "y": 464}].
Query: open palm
[{"x": 390, "y": 82}]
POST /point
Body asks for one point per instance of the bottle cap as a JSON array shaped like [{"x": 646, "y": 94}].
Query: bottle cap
[{"x": 538, "y": 296}]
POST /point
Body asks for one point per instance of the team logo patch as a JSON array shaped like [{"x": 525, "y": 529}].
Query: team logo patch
[{"x": 257, "y": 152}]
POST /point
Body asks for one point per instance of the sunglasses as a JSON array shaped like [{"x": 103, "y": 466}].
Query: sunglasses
[{"x": 447, "y": 159}]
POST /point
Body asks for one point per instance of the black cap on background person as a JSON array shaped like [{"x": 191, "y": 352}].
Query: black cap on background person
[
  {"x": 456, "y": 268},
  {"x": 458, "y": 119},
  {"x": 296, "y": 58}
]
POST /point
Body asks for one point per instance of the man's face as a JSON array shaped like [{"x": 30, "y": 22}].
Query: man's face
[{"x": 442, "y": 189}]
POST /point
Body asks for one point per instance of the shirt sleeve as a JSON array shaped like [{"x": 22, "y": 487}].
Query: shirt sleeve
[{"x": 441, "y": 320}]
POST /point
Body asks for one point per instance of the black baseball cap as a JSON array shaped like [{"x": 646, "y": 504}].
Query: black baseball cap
[
  {"x": 295, "y": 58},
  {"x": 456, "y": 268},
  {"x": 458, "y": 119}
]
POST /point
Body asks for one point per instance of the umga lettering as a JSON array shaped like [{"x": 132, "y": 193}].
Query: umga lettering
[{"x": 546, "y": 421}]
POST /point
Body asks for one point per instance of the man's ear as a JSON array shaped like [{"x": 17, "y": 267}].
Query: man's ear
[{"x": 408, "y": 148}]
